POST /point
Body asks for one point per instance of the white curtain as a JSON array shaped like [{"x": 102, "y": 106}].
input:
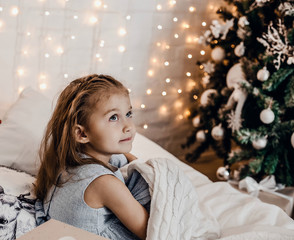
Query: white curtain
[{"x": 149, "y": 45}]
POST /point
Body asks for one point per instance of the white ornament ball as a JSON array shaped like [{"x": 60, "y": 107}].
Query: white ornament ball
[
  {"x": 263, "y": 74},
  {"x": 196, "y": 121},
  {"x": 200, "y": 136},
  {"x": 217, "y": 133},
  {"x": 218, "y": 54},
  {"x": 259, "y": 143},
  {"x": 267, "y": 116},
  {"x": 292, "y": 139},
  {"x": 222, "y": 173},
  {"x": 240, "y": 50},
  {"x": 206, "y": 95}
]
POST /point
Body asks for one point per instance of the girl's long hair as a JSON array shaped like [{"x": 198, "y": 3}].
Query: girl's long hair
[{"x": 59, "y": 150}]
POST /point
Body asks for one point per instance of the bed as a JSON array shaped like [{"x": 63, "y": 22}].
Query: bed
[{"x": 211, "y": 210}]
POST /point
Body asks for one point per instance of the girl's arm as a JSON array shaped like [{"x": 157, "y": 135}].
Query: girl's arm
[
  {"x": 110, "y": 192},
  {"x": 130, "y": 157}
]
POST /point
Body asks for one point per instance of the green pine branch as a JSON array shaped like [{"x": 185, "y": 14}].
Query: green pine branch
[
  {"x": 277, "y": 78},
  {"x": 289, "y": 93}
]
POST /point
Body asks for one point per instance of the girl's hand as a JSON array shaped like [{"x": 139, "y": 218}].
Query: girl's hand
[{"x": 130, "y": 157}]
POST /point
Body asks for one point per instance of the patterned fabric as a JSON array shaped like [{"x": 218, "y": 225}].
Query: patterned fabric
[{"x": 17, "y": 215}]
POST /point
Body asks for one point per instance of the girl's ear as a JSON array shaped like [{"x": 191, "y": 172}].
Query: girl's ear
[{"x": 80, "y": 134}]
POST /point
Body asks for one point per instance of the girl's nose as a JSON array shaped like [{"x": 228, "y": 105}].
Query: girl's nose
[{"x": 128, "y": 125}]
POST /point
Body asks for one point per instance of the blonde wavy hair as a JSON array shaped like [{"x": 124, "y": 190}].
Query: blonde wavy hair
[{"x": 59, "y": 150}]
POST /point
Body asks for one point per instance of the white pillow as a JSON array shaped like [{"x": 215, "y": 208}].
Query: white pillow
[
  {"x": 22, "y": 129},
  {"x": 15, "y": 183}
]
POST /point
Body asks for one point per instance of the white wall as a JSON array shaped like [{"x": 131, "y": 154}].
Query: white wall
[{"x": 46, "y": 44}]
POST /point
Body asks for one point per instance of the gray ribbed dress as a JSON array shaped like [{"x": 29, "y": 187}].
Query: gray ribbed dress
[{"x": 68, "y": 205}]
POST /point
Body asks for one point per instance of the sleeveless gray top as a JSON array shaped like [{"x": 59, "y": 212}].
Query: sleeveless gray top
[{"x": 68, "y": 205}]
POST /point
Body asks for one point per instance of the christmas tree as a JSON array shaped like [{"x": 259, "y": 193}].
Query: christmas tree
[{"x": 244, "y": 105}]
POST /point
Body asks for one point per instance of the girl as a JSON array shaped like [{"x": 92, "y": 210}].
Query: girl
[{"x": 79, "y": 181}]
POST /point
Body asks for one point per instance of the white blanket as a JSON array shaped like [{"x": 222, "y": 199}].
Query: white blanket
[
  {"x": 174, "y": 212},
  {"x": 180, "y": 210}
]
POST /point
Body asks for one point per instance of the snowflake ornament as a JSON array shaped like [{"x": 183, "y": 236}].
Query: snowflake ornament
[
  {"x": 209, "y": 67},
  {"x": 234, "y": 121},
  {"x": 287, "y": 8},
  {"x": 275, "y": 45}
]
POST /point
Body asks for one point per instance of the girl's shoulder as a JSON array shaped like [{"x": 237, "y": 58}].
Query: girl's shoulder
[{"x": 91, "y": 170}]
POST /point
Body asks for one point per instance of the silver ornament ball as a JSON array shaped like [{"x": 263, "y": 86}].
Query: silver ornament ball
[
  {"x": 217, "y": 133},
  {"x": 259, "y": 143},
  {"x": 267, "y": 116},
  {"x": 222, "y": 173},
  {"x": 263, "y": 74},
  {"x": 218, "y": 54},
  {"x": 200, "y": 136}
]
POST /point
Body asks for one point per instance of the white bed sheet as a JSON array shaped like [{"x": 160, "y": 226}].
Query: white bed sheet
[{"x": 240, "y": 215}]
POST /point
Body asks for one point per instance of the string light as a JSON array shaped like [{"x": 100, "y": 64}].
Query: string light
[
  {"x": 172, "y": 3},
  {"x": 186, "y": 25},
  {"x": 97, "y": 4},
  {"x": 43, "y": 86},
  {"x": 20, "y": 89},
  {"x": 178, "y": 104},
  {"x": 180, "y": 117},
  {"x": 59, "y": 50},
  {"x": 150, "y": 73},
  {"x": 156, "y": 62},
  {"x": 121, "y": 48},
  {"x": 14, "y": 11},
  {"x": 93, "y": 20},
  {"x": 20, "y": 72},
  {"x": 122, "y": 32},
  {"x": 192, "y": 9},
  {"x": 163, "y": 110}
]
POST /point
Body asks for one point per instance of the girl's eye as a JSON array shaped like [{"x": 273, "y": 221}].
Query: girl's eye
[
  {"x": 129, "y": 114},
  {"x": 113, "y": 117}
]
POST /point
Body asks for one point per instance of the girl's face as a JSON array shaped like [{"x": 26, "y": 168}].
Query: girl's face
[{"x": 110, "y": 129}]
